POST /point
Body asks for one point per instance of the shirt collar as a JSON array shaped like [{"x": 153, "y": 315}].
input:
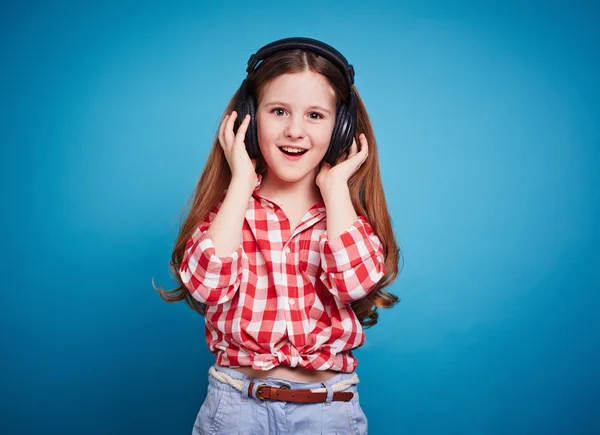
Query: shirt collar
[{"x": 320, "y": 206}]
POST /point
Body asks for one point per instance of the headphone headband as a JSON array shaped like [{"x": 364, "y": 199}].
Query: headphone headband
[{"x": 318, "y": 47}]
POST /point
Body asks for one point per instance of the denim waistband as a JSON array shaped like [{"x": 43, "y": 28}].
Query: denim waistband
[{"x": 278, "y": 382}]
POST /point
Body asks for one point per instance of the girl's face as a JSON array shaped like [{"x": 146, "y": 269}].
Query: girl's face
[{"x": 295, "y": 119}]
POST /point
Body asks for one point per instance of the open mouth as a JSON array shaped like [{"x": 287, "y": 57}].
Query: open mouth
[{"x": 292, "y": 151}]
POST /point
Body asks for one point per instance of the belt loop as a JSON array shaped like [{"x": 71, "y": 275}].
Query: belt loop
[
  {"x": 329, "y": 398},
  {"x": 244, "y": 391},
  {"x": 254, "y": 388}
]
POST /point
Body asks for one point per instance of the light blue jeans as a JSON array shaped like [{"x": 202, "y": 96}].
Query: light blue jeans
[{"x": 229, "y": 411}]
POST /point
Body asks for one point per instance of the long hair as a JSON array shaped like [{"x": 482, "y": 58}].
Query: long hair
[{"x": 365, "y": 185}]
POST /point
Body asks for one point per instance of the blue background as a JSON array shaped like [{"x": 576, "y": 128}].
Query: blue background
[{"x": 487, "y": 121}]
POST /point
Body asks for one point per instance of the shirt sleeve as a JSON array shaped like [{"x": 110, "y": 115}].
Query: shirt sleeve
[
  {"x": 353, "y": 262},
  {"x": 210, "y": 279}
]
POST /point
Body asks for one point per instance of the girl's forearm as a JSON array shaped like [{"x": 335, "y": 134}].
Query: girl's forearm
[
  {"x": 226, "y": 228},
  {"x": 340, "y": 211}
]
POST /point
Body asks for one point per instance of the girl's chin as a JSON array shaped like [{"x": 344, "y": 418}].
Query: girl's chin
[{"x": 290, "y": 175}]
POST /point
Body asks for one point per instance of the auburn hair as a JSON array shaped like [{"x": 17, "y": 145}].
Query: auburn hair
[{"x": 365, "y": 185}]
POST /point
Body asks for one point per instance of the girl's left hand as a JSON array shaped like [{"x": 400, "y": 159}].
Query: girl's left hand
[{"x": 340, "y": 174}]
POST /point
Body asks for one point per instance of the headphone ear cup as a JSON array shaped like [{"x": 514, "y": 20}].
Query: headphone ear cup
[
  {"x": 244, "y": 105},
  {"x": 251, "y": 139},
  {"x": 342, "y": 134},
  {"x": 332, "y": 151}
]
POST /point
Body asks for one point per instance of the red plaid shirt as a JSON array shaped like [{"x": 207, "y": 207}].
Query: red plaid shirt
[{"x": 282, "y": 297}]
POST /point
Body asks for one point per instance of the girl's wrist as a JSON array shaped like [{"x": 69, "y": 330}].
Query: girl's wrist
[
  {"x": 243, "y": 185},
  {"x": 334, "y": 192},
  {"x": 333, "y": 188}
]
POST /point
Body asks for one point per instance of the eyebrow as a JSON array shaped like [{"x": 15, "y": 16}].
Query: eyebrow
[{"x": 279, "y": 103}]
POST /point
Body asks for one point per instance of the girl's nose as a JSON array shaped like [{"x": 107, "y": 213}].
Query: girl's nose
[{"x": 295, "y": 128}]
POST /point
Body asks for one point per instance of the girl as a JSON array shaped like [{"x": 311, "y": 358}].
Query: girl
[{"x": 287, "y": 247}]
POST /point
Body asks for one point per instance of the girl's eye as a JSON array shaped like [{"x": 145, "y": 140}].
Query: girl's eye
[
  {"x": 278, "y": 111},
  {"x": 316, "y": 115}
]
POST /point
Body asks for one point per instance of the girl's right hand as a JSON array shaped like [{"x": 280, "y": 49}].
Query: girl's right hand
[{"x": 242, "y": 167}]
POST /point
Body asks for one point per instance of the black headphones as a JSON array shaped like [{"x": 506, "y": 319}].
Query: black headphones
[{"x": 345, "y": 121}]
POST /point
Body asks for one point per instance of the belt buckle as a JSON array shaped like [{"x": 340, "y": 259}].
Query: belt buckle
[
  {"x": 259, "y": 390},
  {"x": 261, "y": 386}
]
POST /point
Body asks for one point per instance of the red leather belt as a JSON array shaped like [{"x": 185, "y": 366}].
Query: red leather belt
[{"x": 266, "y": 392}]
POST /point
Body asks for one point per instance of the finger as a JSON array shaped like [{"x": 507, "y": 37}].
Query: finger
[
  {"x": 364, "y": 147},
  {"x": 241, "y": 133},
  {"x": 222, "y": 130},
  {"x": 229, "y": 136}
]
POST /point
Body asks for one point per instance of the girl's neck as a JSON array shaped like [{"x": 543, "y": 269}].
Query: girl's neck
[{"x": 281, "y": 192}]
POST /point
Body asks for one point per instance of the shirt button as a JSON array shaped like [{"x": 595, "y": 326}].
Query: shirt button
[
  {"x": 287, "y": 250},
  {"x": 292, "y": 302}
]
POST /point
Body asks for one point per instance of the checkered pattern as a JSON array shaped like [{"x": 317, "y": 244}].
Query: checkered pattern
[{"x": 282, "y": 297}]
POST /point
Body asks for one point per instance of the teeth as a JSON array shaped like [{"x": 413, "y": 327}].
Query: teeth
[{"x": 292, "y": 150}]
